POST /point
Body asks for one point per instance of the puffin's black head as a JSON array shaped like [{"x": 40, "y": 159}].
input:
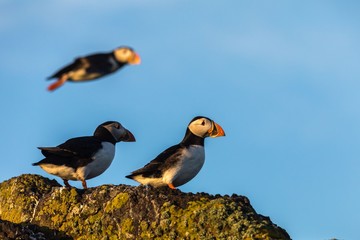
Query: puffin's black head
[
  {"x": 113, "y": 131},
  {"x": 205, "y": 127},
  {"x": 126, "y": 55}
]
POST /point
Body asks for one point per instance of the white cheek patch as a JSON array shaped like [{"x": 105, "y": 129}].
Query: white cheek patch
[
  {"x": 116, "y": 133},
  {"x": 121, "y": 56},
  {"x": 198, "y": 129}
]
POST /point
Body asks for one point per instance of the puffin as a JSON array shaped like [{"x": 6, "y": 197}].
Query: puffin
[
  {"x": 94, "y": 66},
  {"x": 182, "y": 162},
  {"x": 83, "y": 158}
]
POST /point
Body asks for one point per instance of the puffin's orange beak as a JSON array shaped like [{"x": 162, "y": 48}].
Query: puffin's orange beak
[
  {"x": 216, "y": 131},
  {"x": 135, "y": 59},
  {"x": 129, "y": 138}
]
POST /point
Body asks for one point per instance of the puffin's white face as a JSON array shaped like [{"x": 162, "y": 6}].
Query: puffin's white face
[
  {"x": 201, "y": 127},
  {"x": 127, "y": 55},
  {"x": 119, "y": 132},
  {"x": 204, "y": 127}
]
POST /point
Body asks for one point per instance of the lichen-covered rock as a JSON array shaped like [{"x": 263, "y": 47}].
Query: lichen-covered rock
[
  {"x": 20, "y": 195},
  {"x": 26, "y": 231},
  {"x": 126, "y": 212}
]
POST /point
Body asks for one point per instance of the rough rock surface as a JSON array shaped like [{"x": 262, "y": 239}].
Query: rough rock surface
[
  {"x": 40, "y": 208},
  {"x": 25, "y": 231}
]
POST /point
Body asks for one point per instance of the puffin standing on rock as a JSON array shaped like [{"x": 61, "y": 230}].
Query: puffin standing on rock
[
  {"x": 180, "y": 163},
  {"x": 94, "y": 66},
  {"x": 84, "y": 158}
]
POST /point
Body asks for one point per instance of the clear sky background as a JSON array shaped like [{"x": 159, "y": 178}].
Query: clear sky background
[{"x": 281, "y": 78}]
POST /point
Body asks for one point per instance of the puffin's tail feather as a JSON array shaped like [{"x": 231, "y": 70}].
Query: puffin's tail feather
[{"x": 130, "y": 176}]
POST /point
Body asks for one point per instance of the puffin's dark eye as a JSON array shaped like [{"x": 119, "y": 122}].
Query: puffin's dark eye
[{"x": 203, "y": 123}]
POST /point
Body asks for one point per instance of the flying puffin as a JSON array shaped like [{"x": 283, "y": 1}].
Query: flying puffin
[
  {"x": 94, "y": 66},
  {"x": 180, "y": 163},
  {"x": 84, "y": 158}
]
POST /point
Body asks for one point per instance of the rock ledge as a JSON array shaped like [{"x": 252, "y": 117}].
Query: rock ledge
[{"x": 40, "y": 208}]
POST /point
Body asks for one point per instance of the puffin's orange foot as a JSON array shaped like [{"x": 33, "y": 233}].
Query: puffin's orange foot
[
  {"x": 84, "y": 184},
  {"x": 171, "y": 186},
  {"x": 66, "y": 182},
  {"x": 58, "y": 83}
]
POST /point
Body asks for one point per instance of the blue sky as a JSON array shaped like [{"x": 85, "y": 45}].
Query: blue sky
[{"x": 281, "y": 78}]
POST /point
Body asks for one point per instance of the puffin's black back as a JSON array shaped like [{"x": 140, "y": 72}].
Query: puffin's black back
[
  {"x": 95, "y": 63},
  {"x": 75, "y": 152}
]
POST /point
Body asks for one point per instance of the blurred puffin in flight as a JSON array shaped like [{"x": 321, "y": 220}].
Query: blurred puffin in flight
[
  {"x": 84, "y": 158},
  {"x": 94, "y": 66},
  {"x": 180, "y": 163}
]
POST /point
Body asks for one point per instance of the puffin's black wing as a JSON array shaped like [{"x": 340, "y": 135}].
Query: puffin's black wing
[
  {"x": 95, "y": 63},
  {"x": 101, "y": 63},
  {"x": 77, "y": 64},
  {"x": 73, "y": 152},
  {"x": 161, "y": 162}
]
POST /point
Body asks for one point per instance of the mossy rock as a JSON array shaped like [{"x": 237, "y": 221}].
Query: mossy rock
[
  {"x": 28, "y": 231},
  {"x": 126, "y": 212},
  {"x": 20, "y": 195}
]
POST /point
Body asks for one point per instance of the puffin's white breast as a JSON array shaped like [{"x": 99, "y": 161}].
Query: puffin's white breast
[
  {"x": 190, "y": 162},
  {"x": 101, "y": 161}
]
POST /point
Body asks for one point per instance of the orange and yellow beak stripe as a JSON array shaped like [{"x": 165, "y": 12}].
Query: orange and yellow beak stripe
[
  {"x": 216, "y": 130},
  {"x": 135, "y": 59}
]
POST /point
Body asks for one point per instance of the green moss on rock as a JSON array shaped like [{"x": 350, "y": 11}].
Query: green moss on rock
[
  {"x": 117, "y": 202},
  {"x": 19, "y": 196},
  {"x": 125, "y": 212},
  {"x": 9, "y": 230}
]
